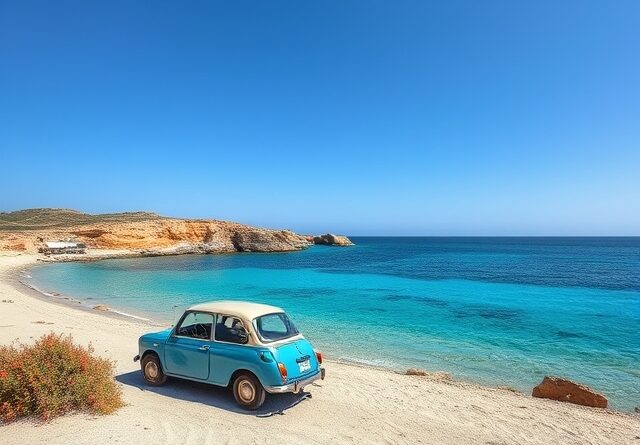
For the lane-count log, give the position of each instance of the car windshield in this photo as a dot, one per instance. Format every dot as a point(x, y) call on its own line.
point(273, 327)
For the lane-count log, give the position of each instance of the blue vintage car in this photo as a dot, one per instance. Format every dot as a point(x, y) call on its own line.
point(253, 348)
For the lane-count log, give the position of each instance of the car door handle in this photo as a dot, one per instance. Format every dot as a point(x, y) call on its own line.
point(204, 348)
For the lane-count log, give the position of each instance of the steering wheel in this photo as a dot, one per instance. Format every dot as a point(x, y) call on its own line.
point(201, 332)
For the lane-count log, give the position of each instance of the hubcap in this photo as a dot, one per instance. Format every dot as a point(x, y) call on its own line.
point(246, 391)
point(151, 369)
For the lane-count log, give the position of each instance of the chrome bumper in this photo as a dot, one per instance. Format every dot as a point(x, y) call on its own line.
point(298, 386)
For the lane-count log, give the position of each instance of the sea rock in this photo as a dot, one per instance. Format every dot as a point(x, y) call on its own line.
point(507, 388)
point(564, 390)
point(637, 409)
point(438, 375)
point(101, 307)
point(330, 239)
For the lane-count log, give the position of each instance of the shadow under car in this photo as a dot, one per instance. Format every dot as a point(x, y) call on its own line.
point(212, 395)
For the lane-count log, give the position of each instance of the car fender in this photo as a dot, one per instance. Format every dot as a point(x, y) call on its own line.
point(227, 361)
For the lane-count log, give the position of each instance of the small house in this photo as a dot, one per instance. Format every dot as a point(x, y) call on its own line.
point(61, 247)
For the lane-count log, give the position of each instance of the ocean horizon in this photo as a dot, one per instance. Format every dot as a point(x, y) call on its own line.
point(491, 310)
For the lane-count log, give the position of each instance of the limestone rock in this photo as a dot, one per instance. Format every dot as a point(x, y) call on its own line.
point(330, 239)
point(140, 233)
point(262, 240)
point(564, 390)
point(438, 375)
point(101, 307)
point(416, 371)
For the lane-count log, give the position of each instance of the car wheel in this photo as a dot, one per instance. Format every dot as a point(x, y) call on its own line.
point(248, 391)
point(152, 370)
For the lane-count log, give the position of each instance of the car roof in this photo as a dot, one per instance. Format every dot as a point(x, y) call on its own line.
point(241, 309)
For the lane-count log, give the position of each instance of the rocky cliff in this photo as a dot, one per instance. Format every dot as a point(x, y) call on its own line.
point(147, 233)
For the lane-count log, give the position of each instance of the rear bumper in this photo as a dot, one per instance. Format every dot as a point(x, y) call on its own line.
point(298, 386)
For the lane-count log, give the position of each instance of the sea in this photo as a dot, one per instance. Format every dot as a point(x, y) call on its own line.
point(494, 311)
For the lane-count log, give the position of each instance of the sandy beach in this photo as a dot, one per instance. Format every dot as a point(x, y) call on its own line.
point(353, 405)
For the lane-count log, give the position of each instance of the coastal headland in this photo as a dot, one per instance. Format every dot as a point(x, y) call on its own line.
point(144, 233)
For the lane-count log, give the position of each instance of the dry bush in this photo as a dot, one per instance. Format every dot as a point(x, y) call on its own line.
point(54, 376)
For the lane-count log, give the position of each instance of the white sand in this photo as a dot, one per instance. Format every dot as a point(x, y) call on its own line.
point(353, 405)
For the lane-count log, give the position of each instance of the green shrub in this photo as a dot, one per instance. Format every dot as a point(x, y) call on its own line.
point(54, 376)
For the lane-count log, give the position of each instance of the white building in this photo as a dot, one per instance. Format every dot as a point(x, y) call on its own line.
point(59, 247)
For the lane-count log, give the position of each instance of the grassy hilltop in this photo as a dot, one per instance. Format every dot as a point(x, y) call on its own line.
point(43, 219)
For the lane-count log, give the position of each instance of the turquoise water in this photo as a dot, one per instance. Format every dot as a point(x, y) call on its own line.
point(495, 311)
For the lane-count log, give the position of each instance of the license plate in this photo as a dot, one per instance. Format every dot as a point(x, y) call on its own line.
point(304, 366)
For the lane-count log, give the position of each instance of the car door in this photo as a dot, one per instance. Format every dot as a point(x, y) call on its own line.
point(187, 349)
point(229, 350)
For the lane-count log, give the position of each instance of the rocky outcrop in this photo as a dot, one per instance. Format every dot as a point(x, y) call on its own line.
point(564, 390)
point(332, 240)
point(278, 241)
point(144, 233)
point(438, 375)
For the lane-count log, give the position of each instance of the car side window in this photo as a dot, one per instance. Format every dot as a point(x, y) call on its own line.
point(196, 325)
point(231, 330)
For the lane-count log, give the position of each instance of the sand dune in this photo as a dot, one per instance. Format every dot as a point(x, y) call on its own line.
point(354, 405)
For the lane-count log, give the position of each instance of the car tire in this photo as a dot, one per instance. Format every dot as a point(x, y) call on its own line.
point(152, 370)
point(248, 391)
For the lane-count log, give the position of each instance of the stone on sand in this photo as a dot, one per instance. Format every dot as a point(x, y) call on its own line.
point(564, 390)
point(438, 375)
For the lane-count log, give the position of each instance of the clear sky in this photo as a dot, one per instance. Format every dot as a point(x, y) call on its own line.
point(370, 117)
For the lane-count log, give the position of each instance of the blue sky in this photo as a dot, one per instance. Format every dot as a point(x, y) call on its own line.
point(388, 118)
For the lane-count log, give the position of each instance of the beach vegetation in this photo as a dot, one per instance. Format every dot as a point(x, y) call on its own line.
point(55, 376)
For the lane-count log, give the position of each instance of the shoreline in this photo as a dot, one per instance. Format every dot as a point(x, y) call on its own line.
point(92, 302)
point(68, 301)
point(375, 403)
point(17, 275)
point(16, 280)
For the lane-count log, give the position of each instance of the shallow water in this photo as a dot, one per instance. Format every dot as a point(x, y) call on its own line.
point(493, 310)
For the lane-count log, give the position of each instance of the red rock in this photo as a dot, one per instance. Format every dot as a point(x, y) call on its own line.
point(564, 390)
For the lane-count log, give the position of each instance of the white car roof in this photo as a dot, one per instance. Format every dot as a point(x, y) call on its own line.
point(241, 309)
